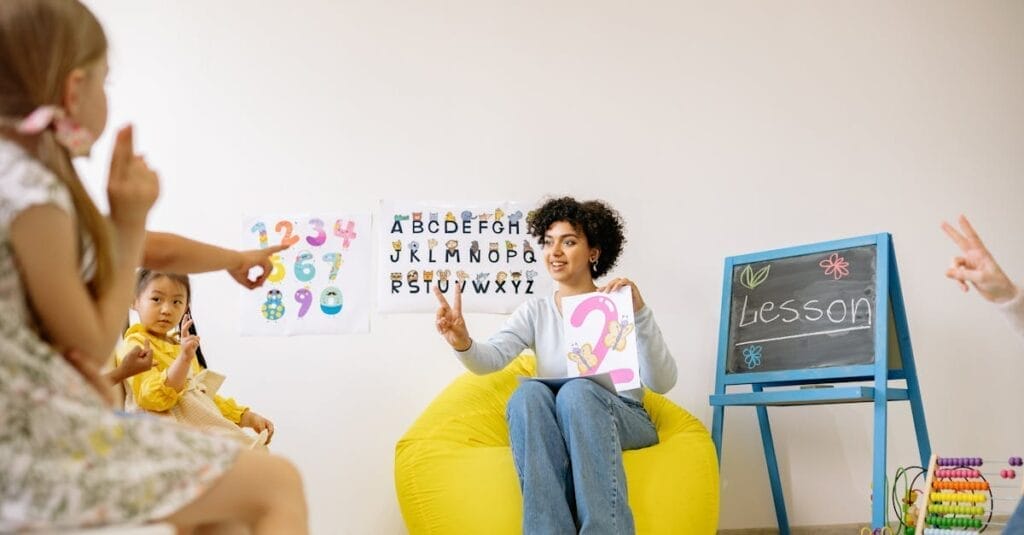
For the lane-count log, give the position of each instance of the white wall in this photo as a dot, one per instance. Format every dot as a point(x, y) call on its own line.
point(717, 128)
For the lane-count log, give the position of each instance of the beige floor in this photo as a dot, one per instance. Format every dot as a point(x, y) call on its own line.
point(846, 529)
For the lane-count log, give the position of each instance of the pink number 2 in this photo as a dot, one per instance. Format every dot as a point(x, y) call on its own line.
point(606, 307)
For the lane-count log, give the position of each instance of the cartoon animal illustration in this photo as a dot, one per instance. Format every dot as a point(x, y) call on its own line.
point(501, 276)
point(414, 246)
point(273, 308)
point(527, 247)
point(428, 276)
point(431, 243)
point(449, 217)
point(617, 332)
point(510, 246)
point(910, 501)
point(452, 245)
point(498, 214)
point(530, 274)
point(584, 357)
point(474, 247)
point(482, 276)
point(412, 276)
point(493, 245)
point(516, 275)
point(417, 216)
point(467, 215)
point(396, 245)
point(530, 215)
point(433, 216)
point(396, 276)
point(513, 218)
point(330, 300)
point(484, 216)
point(462, 275)
point(347, 234)
point(444, 274)
point(401, 217)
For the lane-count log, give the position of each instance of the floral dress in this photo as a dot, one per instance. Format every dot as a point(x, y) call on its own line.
point(66, 459)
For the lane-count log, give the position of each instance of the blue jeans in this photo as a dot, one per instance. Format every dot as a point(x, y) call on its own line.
point(567, 447)
point(1015, 526)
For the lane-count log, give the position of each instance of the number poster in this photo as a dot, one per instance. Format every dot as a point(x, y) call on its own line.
point(320, 284)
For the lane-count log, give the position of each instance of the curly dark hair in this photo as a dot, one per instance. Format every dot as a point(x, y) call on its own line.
point(599, 222)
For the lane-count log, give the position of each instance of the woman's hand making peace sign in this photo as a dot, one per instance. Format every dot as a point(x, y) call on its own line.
point(450, 323)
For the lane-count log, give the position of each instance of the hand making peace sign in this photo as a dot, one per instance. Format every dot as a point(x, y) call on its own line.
point(977, 265)
point(450, 323)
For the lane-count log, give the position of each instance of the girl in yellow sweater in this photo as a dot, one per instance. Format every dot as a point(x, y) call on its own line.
point(179, 370)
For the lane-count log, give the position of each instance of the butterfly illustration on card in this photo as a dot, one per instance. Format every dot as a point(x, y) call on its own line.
point(584, 358)
point(617, 333)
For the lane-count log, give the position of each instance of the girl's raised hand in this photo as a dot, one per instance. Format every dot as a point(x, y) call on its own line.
point(450, 323)
point(132, 187)
point(255, 258)
point(138, 360)
point(189, 342)
point(977, 265)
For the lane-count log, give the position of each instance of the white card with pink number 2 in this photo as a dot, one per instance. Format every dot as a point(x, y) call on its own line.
point(600, 331)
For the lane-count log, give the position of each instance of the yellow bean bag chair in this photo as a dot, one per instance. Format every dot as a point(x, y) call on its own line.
point(454, 472)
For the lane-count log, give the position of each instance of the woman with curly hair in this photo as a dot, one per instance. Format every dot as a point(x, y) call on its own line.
point(567, 444)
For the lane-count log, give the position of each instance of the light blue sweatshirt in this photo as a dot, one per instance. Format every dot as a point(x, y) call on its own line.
point(1014, 311)
point(537, 324)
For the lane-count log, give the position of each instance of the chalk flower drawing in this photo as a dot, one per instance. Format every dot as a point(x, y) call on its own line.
point(836, 266)
point(752, 356)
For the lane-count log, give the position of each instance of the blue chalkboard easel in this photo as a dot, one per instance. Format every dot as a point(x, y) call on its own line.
point(893, 360)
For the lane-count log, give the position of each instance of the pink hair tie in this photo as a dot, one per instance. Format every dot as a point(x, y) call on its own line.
point(77, 140)
point(39, 120)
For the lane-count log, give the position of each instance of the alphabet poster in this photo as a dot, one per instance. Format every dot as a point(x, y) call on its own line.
point(601, 332)
point(319, 285)
point(484, 247)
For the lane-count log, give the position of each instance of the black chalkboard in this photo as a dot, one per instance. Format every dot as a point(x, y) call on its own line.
point(801, 312)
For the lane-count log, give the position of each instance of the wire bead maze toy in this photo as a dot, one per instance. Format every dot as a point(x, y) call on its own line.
point(957, 497)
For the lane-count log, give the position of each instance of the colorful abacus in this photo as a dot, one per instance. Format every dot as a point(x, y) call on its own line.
point(959, 500)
